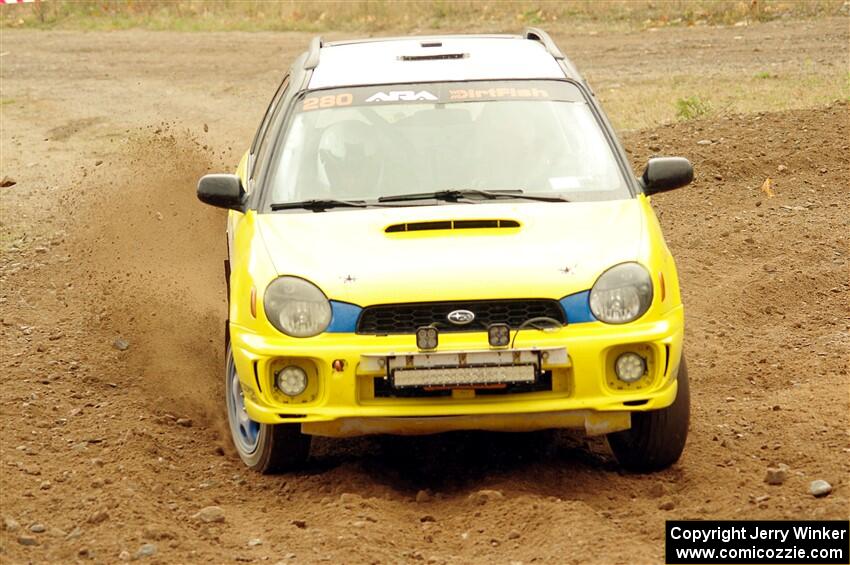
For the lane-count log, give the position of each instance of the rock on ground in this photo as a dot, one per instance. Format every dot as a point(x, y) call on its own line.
point(485, 495)
point(776, 475)
point(820, 488)
point(210, 514)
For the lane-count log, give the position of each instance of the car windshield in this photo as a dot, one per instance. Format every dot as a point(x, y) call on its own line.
point(364, 143)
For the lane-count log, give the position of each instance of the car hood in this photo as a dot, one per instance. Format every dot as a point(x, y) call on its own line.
point(557, 249)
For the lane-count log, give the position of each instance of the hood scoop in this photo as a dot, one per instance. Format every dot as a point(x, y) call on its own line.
point(443, 225)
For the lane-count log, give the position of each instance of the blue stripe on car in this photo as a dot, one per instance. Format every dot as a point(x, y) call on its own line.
point(343, 317)
point(577, 307)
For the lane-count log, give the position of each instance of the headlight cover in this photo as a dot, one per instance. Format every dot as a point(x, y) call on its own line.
point(296, 307)
point(621, 294)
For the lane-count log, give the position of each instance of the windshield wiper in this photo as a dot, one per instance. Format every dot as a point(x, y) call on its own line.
point(318, 205)
point(457, 195)
point(470, 195)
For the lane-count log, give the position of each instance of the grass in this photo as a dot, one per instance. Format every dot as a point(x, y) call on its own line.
point(378, 15)
point(647, 102)
point(692, 107)
point(846, 93)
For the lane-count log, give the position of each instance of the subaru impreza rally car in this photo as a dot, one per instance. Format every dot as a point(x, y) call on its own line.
point(443, 233)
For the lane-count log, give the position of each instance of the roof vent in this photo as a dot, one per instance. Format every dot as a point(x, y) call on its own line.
point(452, 225)
point(441, 56)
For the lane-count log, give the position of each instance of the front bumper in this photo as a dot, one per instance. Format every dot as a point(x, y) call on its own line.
point(346, 401)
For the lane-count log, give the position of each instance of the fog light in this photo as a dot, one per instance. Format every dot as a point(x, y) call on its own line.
point(630, 367)
point(291, 380)
point(499, 335)
point(426, 337)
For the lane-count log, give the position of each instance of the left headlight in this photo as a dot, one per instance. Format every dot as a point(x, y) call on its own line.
point(296, 307)
point(621, 294)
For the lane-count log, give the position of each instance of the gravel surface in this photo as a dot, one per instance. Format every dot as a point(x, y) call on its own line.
point(116, 446)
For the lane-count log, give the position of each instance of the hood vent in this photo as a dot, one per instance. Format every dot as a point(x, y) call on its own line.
point(452, 225)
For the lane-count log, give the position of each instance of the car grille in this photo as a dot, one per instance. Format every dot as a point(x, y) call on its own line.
point(405, 318)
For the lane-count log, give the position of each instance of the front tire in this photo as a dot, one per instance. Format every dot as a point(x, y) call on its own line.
point(267, 448)
point(657, 437)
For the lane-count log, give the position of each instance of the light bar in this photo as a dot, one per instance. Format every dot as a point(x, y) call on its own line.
point(464, 376)
point(379, 363)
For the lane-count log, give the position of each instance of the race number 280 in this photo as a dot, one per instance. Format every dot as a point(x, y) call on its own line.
point(328, 101)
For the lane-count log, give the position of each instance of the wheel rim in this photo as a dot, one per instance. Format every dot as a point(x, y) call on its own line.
point(245, 431)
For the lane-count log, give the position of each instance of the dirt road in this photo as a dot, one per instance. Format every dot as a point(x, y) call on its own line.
point(112, 451)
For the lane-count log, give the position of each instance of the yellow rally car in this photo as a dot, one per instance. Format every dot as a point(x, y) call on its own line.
point(443, 233)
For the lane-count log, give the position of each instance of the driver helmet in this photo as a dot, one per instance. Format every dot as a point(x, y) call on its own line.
point(350, 164)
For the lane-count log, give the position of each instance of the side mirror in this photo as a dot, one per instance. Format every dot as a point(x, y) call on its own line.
point(666, 173)
point(223, 191)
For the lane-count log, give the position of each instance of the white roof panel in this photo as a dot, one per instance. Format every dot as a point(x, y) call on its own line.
point(379, 61)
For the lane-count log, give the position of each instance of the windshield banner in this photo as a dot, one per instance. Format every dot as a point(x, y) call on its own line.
point(440, 93)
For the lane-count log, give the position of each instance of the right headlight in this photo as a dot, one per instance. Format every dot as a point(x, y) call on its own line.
point(296, 307)
point(621, 294)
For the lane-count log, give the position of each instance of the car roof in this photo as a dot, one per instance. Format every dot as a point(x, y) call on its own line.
point(434, 58)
